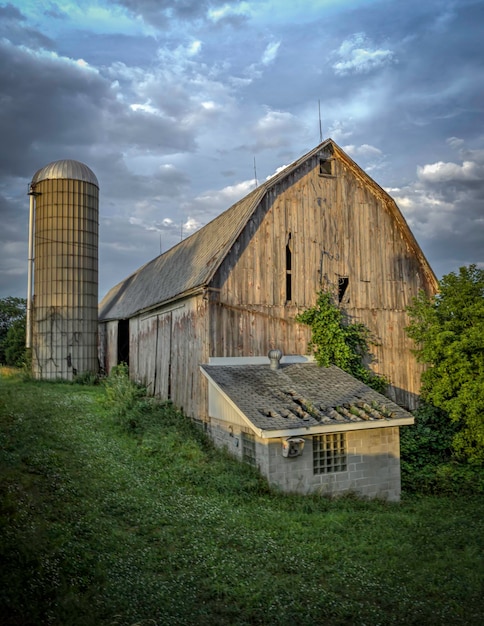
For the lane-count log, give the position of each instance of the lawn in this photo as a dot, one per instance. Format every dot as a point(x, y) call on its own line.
point(151, 527)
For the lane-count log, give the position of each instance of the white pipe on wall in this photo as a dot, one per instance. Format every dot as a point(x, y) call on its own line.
point(28, 330)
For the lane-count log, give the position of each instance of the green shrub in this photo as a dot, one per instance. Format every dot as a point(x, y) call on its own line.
point(86, 378)
point(124, 399)
point(336, 341)
point(428, 460)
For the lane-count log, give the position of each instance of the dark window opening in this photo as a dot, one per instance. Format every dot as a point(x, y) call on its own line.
point(289, 269)
point(168, 391)
point(343, 282)
point(326, 167)
point(123, 341)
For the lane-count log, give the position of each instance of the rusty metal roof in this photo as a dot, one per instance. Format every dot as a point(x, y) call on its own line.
point(66, 168)
point(303, 396)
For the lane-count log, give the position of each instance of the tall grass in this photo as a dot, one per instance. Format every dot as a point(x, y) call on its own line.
point(107, 525)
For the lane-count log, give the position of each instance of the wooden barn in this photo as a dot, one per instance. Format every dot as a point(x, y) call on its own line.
point(233, 288)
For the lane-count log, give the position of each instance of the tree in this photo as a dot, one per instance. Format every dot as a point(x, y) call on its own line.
point(448, 329)
point(14, 344)
point(12, 319)
point(336, 341)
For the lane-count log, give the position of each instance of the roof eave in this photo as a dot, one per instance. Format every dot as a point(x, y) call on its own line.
point(334, 428)
point(161, 305)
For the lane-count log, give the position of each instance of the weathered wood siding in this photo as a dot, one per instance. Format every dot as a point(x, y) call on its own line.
point(108, 345)
point(339, 227)
point(166, 348)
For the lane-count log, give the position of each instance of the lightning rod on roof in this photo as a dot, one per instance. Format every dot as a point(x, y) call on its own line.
point(320, 127)
point(255, 174)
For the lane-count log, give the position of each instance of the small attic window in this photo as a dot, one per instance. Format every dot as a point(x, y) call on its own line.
point(326, 167)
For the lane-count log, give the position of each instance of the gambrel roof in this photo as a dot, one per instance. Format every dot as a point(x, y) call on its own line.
point(191, 264)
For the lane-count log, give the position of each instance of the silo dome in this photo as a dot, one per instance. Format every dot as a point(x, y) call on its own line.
point(65, 169)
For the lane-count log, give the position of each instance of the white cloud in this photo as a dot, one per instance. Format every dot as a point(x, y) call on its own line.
point(191, 225)
point(227, 11)
point(365, 150)
point(270, 53)
point(226, 196)
point(358, 55)
point(339, 131)
point(441, 172)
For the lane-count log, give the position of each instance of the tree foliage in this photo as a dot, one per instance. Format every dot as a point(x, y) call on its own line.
point(336, 341)
point(12, 330)
point(449, 332)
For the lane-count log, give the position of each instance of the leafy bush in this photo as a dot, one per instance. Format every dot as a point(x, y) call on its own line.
point(14, 344)
point(428, 461)
point(12, 313)
point(86, 378)
point(124, 399)
point(449, 333)
point(336, 341)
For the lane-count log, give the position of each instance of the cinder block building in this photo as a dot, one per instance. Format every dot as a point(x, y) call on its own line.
point(307, 428)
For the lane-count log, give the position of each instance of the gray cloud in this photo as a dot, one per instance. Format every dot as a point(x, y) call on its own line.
point(445, 208)
point(170, 102)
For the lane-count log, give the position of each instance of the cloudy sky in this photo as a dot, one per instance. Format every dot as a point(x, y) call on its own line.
point(172, 102)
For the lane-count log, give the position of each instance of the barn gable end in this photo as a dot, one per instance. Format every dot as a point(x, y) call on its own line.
point(234, 287)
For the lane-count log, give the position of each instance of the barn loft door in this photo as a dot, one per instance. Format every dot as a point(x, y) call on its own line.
point(163, 387)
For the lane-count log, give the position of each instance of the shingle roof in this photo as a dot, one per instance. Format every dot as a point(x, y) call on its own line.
point(302, 396)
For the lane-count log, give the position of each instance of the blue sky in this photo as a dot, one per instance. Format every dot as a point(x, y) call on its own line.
point(169, 103)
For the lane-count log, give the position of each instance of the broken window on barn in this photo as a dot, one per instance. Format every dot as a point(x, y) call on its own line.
point(326, 167)
point(289, 269)
point(343, 282)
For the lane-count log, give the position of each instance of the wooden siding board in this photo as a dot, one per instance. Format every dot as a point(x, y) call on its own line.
point(162, 386)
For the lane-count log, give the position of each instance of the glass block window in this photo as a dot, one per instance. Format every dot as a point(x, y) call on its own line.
point(329, 453)
point(248, 448)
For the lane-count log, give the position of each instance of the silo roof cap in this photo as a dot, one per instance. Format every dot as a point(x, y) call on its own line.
point(67, 168)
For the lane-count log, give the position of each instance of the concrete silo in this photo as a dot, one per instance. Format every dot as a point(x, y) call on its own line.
point(63, 259)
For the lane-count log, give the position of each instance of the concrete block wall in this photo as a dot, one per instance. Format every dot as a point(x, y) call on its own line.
point(372, 470)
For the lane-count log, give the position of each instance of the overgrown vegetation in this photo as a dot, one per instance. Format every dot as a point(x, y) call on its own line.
point(337, 341)
point(428, 461)
point(449, 332)
point(102, 524)
point(12, 331)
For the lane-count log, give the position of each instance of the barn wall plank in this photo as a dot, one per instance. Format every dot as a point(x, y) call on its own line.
point(339, 228)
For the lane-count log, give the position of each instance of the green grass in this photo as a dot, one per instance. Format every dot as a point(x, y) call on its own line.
point(100, 526)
